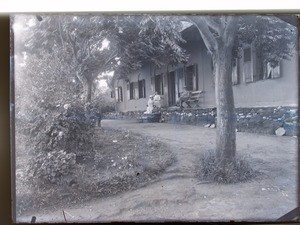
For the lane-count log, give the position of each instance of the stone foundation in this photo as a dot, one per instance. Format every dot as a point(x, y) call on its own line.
point(254, 120)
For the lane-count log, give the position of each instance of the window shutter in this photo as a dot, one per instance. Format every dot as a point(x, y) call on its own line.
point(120, 94)
point(152, 84)
point(247, 65)
point(128, 91)
point(235, 73)
point(131, 91)
point(117, 94)
point(190, 78)
point(276, 71)
point(195, 78)
point(144, 88)
point(159, 88)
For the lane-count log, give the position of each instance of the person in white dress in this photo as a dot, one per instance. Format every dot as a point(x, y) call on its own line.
point(150, 105)
point(157, 100)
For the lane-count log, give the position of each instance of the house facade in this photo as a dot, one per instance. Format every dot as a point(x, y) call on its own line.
point(253, 85)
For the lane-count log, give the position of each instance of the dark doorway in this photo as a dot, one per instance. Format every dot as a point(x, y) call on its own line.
point(159, 88)
point(191, 79)
point(171, 88)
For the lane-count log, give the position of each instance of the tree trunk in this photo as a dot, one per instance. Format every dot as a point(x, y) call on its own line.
point(226, 119)
point(89, 87)
point(221, 46)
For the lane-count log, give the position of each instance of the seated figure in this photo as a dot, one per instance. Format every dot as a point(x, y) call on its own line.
point(150, 105)
point(184, 96)
point(157, 100)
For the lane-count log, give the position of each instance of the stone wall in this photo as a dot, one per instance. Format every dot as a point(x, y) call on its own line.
point(255, 120)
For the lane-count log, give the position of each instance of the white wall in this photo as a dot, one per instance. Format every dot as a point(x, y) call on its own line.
point(135, 104)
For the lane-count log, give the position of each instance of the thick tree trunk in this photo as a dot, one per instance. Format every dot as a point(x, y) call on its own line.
point(220, 44)
point(89, 86)
point(226, 119)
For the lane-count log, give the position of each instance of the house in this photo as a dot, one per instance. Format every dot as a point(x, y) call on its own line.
point(253, 87)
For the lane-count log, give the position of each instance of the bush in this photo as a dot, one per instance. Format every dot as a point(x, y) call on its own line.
point(65, 138)
point(70, 130)
point(52, 167)
point(210, 169)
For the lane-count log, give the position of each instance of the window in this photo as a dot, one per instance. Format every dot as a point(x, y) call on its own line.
point(119, 94)
point(134, 92)
point(247, 65)
point(142, 89)
point(159, 88)
point(180, 82)
point(266, 71)
point(191, 77)
point(272, 71)
point(254, 68)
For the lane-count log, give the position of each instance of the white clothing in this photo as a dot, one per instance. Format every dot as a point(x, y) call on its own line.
point(150, 106)
point(157, 101)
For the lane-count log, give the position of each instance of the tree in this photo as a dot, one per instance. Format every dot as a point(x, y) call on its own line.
point(76, 41)
point(219, 37)
point(147, 38)
point(222, 35)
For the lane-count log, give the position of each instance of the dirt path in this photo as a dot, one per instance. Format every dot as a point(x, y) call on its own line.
point(177, 195)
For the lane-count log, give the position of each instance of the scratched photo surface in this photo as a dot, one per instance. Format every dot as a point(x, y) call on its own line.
point(153, 117)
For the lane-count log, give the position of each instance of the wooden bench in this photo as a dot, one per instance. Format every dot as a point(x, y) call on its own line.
point(194, 99)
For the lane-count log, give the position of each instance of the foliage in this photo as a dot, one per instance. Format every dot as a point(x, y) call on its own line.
point(145, 38)
point(76, 42)
point(211, 169)
point(51, 167)
point(103, 101)
point(72, 130)
point(46, 102)
point(162, 39)
point(64, 140)
point(272, 38)
point(113, 170)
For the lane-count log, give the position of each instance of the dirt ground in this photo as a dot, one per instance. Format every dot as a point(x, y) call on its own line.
point(178, 195)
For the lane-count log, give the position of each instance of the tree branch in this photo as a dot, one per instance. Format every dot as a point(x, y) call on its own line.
point(73, 43)
point(213, 25)
point(209, 40)
point(231, 29)
point(223, 22)
point(60, 34)
point(111, 57)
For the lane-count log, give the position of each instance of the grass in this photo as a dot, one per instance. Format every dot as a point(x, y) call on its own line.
point(210, 169)
point(123, 161)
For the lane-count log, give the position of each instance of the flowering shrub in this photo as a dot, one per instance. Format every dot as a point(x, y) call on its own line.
point(70, 130)
point(65, 139)
point(51, 167)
